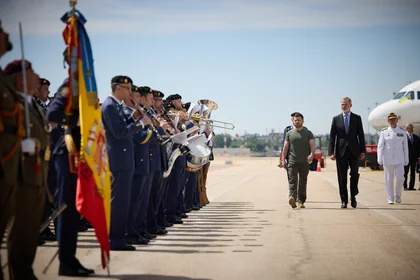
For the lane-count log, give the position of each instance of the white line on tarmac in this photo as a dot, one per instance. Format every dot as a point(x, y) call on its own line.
point(411, 230)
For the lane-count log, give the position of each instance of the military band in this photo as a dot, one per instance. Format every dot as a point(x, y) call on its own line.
point(39, 173)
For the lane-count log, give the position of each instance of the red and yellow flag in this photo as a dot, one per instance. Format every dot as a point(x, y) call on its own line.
point(93, 184)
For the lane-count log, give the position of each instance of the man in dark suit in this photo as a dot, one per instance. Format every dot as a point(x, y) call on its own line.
point(413, 156)
point(347, 145)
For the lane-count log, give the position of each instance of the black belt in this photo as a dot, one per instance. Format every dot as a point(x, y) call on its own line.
point(10, 129)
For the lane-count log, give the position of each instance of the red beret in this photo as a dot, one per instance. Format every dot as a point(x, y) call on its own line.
point(15, 67)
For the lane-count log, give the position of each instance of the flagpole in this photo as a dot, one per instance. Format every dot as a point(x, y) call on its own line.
point(25, 88)
point(107, 262)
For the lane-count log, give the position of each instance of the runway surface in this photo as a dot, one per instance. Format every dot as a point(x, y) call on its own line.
point(249, 231)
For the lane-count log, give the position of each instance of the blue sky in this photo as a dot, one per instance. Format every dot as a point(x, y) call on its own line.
point(259, 60)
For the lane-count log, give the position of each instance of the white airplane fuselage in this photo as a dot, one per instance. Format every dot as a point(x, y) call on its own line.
point(405, 104)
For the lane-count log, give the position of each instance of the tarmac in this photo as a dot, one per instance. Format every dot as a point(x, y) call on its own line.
point(249, 231)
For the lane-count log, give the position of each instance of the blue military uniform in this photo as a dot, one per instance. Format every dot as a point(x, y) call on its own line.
point(174, 197)
point(67, 222)
point(141, 182)
point(120, 150)
point(156, 169)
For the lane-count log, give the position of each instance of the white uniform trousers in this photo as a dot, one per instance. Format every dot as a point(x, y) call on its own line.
point(389, 182)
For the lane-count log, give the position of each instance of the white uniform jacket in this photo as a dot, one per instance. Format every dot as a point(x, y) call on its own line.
point(393, 146)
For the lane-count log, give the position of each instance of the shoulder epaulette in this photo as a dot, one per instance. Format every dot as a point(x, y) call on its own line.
point(385, 128)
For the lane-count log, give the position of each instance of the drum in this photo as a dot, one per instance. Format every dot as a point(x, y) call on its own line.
point(198, 152)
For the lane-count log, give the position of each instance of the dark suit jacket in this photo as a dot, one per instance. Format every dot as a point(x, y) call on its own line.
point(413, 149)
point(339, 140)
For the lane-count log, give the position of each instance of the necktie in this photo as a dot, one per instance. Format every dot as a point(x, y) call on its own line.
point(411, 138)
point(346, 123)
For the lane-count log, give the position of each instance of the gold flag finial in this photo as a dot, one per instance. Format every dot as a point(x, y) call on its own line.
point(73, 4)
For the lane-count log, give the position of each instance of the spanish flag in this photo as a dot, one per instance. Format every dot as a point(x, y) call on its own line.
point(93, 184)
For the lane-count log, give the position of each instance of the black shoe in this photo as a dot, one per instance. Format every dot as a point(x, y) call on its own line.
point(138, 241)
point(41, 240)
point(80, 266)
point(175, 221)
point(75, 272)
point(124, 248)
point(147, 235)
point(167, 224)
point(48, 235)
point(353, 202)
point(343, 204)
point(187, 210)
point(81, 228)
point(411, 189)
point(160, 232)
point(195, 208)
point(184, 216)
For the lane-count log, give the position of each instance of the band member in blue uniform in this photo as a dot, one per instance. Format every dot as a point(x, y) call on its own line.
point(65, 157)
point(119, 145)
point(157, 172)
point(161, 199)
point(145, 102)
point(174, 200)
point(141, 169)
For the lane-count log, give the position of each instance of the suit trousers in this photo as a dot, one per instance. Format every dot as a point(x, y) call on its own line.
point(120, 197)
point(162, 204)
point(154, 200)
point(298, 178)
point(389, 181)
point(343, 164)
point(135, 206)
point(176, 184)
point(68, 221)
point(190, 186)
point(411, 167)
point(23, 237)
point(141, 221)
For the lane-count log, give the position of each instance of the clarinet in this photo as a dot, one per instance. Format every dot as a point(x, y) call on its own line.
point(152, 116)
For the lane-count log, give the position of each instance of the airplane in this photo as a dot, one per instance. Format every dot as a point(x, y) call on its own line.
point(405, 104)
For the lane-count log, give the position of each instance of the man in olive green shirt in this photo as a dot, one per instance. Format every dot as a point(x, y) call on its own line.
point(297, 144)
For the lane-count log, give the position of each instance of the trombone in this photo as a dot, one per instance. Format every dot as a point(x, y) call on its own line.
point(225, 125)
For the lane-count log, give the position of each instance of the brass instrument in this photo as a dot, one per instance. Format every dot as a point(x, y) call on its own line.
point(210, 123)
point(203, 117)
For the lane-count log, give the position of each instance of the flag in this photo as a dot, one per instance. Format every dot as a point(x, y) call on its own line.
point(93, 183)
point(402, 99)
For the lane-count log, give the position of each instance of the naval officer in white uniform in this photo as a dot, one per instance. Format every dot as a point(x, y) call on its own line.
point(393, 155)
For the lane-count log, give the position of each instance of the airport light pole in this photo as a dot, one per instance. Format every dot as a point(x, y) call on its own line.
point(377, 135)
point(368, 126)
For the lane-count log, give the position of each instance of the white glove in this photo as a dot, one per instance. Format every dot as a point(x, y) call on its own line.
point(29, 146)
